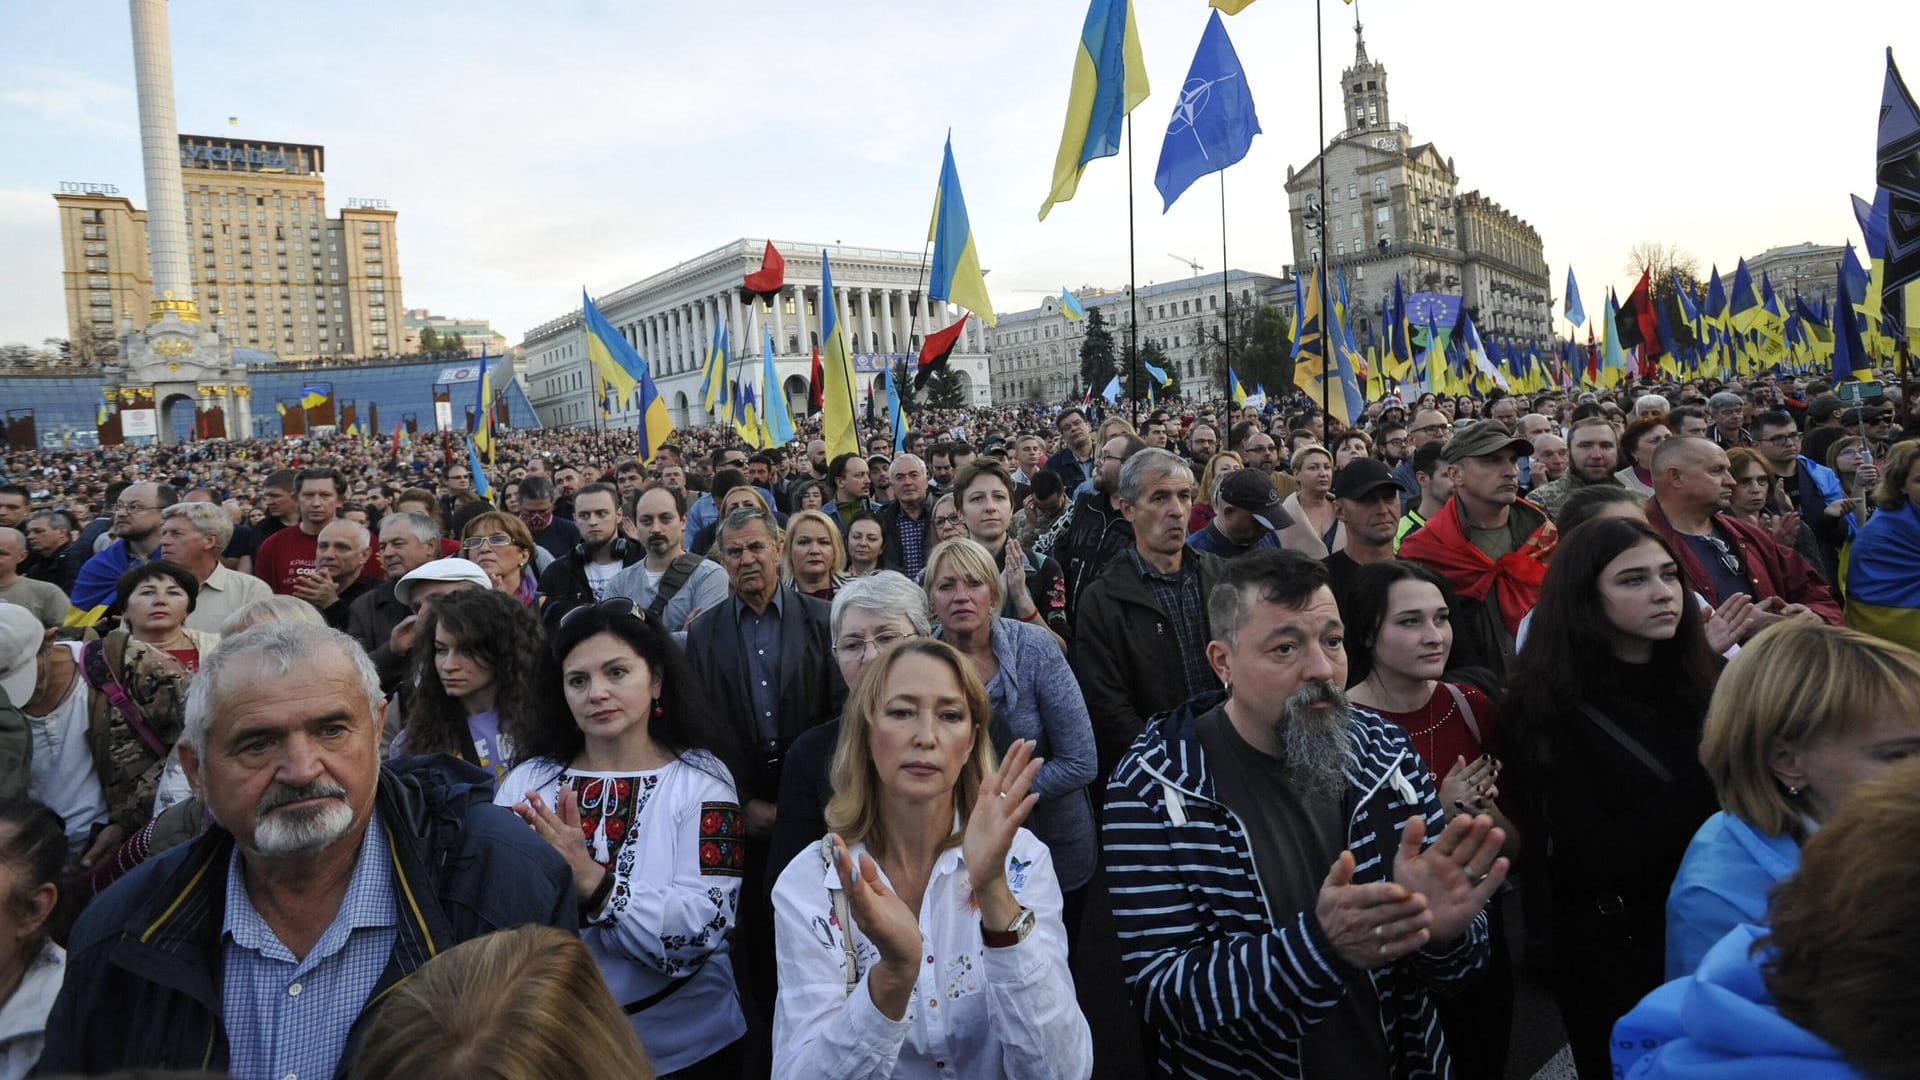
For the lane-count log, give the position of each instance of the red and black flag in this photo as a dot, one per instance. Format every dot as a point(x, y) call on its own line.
point(766, 282)
point(816, 384)
point(1638, 323)
point(939, 346)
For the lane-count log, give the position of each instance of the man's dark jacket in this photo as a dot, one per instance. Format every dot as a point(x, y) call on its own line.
point(1093, 532)
point(144, 967)
point(564, 585)
point(893, 555)
point(1125, 655)
point(370, 621)
point(811, 690)
point(61, 568)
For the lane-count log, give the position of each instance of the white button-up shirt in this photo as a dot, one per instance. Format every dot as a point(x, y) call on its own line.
point(975, 1011)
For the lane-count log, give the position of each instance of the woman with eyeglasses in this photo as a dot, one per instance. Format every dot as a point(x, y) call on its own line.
point(620, 773)
point(500, 544)
point(1602, 734)
point(1034, 696)
point(475, 682)
point(811, 559)
point(923, 935)
point(870, 615)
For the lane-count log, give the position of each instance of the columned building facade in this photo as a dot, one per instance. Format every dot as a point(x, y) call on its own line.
point(671, 317)
point(1394, 208)
point(1036, 352)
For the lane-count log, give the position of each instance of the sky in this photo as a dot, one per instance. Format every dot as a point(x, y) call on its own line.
point(533, 149)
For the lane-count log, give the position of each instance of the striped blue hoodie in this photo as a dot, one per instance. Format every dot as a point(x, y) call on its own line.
point(1224, 984)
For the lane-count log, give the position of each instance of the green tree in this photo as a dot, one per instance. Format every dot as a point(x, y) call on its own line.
point(910, 398)
point(1098, 361)
point(1136, 375)
point(429, 341)
point(945, 390)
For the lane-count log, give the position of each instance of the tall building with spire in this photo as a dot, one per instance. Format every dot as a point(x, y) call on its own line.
point(1393, 207)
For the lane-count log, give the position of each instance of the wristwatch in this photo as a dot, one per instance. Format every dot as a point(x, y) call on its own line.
point(1013, 935)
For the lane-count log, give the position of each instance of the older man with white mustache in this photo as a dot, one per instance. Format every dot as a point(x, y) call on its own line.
point(262, 947)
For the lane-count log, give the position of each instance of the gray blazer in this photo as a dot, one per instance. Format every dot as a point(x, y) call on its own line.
point(1035, 697)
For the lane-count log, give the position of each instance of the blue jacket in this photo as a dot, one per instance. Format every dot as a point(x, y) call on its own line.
point(145, 963)
point(1720, 1024)
point(1226, 985)
point(1724, 879)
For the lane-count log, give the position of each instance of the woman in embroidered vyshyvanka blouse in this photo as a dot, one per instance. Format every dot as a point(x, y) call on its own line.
point(923, 936)
point(619, 774)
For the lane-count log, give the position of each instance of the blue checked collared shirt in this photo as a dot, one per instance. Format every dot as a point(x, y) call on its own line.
point(288, 1019)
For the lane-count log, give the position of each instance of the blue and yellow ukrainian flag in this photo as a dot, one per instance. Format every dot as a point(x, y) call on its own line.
point(955, 271)
point(313, 396)
point(714, 384)
point(612, 356)
point(1883, 592)
point(1109, 79)
point(1070, 305)
point(836, 366)
point(483, 411)
point(656, 423)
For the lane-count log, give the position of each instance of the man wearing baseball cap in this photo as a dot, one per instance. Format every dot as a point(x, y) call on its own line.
point(1366, 498)
point(21, 639)
point(1248, 517)
point(1491, 545)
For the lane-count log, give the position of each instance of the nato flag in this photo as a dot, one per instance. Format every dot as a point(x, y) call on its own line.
point(1213, 123)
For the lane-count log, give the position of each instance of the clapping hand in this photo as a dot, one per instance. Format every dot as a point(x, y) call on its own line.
point(1370, 925)
point(1013, 580)
point(1000, 808)
point(559, 826)
point(1733, 622)
point(886, 920)
point(1469, 785)
point(1455, 874)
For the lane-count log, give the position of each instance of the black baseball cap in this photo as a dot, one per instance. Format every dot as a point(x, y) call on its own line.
point(1252, 491)
point(1362, 476)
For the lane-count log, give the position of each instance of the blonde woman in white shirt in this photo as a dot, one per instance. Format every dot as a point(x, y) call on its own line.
point(923, 936)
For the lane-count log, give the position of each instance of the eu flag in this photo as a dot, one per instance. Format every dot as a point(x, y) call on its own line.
point(1213, 123)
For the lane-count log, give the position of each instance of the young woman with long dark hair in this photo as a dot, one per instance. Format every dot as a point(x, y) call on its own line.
point(1602, 735)
point(475, 679)
point(620, 773)
point(1399, 640)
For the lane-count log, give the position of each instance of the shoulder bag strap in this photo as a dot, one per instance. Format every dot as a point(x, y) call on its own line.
point(1628, 743)
point(671, 581)
point(99, 673)
point(842, 914)
point(1466, 713)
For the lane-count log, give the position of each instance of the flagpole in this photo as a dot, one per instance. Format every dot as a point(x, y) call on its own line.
point(1319, 262)
point(1226, 299)
point(1133, 293)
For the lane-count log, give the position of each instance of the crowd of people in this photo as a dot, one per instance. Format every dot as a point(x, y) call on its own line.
point(334, 757)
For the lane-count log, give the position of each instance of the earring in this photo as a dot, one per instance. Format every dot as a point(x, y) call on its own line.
point(1793, 791)
point(659, 710)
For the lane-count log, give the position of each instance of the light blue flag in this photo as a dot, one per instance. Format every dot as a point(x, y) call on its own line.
point(895, 414)
point(1576, 311)
point(1159, 374)
point(1213, 123)
point(481, 486)
point(1112, 392)
point(774, 408)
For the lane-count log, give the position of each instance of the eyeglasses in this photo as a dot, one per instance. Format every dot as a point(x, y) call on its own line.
point(475, 543)
point(1439, 429)
point(1782, 439)
point(739, 464)
point(1727, 558)
point(613, 607)
point(851, 647)
point(946, 520)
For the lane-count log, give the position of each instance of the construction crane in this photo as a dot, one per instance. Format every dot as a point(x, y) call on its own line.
point(1193, 264)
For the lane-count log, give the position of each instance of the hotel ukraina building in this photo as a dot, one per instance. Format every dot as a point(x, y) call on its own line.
point(272, 270)
point(670, 317)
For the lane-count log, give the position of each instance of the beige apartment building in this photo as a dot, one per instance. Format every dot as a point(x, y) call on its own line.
point(272, 270)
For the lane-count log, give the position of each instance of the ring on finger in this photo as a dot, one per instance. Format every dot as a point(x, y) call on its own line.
point(1474, 877)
